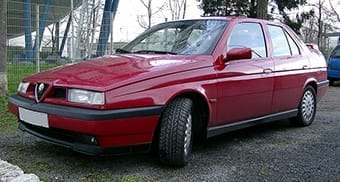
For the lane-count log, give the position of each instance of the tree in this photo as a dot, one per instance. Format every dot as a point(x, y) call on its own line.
point(320, 5)
point(261, 9)
point(333, 9)
point(254, 9)
point(324, 21)
point(148, 6)
point(3, 48)
point(225, 7)
point(177, 9)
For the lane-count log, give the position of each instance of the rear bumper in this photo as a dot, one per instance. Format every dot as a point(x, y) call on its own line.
point(322, 88)
point(90, 131)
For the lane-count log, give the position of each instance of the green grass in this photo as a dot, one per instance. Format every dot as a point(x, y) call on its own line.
point(8, 122)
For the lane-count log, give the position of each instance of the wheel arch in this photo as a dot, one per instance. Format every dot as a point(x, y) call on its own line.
point(202, 114)
point(313, 83)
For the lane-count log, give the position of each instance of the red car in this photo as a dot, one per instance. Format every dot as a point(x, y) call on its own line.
point(178, 82)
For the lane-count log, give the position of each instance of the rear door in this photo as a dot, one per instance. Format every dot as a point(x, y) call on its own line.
point(290, 68)
point(245, 86)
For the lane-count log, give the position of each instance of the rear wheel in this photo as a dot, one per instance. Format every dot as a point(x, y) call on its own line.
point(175, 137)
point(307, 107)
point(331, 82)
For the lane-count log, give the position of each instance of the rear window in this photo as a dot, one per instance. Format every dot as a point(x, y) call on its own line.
point(336, 52)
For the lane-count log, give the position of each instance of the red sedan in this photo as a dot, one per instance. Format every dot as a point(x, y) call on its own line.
point(178, 82)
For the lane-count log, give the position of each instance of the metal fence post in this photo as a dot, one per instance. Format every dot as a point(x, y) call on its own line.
point(72, 32)
point(111, 33)
point(26, 6)
point(37, 39)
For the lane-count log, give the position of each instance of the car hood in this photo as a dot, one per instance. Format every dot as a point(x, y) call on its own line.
point(114, 71)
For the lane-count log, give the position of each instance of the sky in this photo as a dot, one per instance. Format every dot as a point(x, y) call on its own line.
point(126, 27)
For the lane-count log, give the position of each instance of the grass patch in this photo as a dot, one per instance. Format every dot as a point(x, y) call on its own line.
point(8, 122)
point(265, 171)
point(134, 178)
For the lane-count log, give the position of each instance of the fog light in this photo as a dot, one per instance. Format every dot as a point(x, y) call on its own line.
point(87, 139)
point(93, 140)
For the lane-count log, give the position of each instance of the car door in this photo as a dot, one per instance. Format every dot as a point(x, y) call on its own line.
point(245, 86)
point(289, 67)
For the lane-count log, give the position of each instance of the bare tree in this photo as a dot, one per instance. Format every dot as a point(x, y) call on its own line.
point(148, 6)
point(177, 8)
point(333, 9)
point(321, 20)
point(51, 42)
point(3, 48)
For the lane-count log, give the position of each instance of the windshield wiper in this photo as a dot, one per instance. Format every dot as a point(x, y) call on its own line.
point(119, 50)
point(154, 52)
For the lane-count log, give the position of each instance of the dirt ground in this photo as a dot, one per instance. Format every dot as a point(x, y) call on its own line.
point(272, 152)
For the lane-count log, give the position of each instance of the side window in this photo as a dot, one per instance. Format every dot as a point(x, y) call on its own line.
point(279, 41)
point(293, 47)
point(248, 35)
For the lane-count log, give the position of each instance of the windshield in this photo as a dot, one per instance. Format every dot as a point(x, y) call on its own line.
point(178, 37)
point(336, 52)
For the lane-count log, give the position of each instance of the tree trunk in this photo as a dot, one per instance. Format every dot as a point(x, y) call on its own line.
point(149, 13)
point(3, 48)
point(261, 9)
point(320, 22)
point(184, 9)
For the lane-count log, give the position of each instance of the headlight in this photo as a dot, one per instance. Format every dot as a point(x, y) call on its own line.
point(85, 96)
point(22, 88)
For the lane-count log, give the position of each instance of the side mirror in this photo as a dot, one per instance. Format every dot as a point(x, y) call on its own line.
point(238, 53)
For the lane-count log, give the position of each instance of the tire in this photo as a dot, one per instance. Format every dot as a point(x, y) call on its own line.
point(331, 82)
point(307, 108)
point(175, 137)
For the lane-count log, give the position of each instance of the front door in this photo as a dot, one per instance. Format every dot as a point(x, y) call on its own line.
point(245, 87)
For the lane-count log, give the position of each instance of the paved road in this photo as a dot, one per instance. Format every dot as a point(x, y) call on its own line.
point(271, 152)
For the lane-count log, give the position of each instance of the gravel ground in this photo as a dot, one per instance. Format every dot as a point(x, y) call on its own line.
point(270, 152)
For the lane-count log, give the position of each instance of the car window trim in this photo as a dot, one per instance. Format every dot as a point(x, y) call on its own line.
point(263, 35)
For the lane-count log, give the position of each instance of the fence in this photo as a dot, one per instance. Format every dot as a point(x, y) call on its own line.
point(42, 36)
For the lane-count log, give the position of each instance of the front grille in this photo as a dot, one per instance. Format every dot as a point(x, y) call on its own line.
point(59, 93)
point(55, 92)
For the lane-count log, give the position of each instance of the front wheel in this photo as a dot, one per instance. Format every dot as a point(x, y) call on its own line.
point(175, 137)
point(307, 107)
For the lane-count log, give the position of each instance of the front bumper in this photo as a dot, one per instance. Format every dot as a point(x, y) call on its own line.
point(90, 131)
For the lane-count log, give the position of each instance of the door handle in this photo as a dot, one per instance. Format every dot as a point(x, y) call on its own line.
point(267, 70)
point(305, 67)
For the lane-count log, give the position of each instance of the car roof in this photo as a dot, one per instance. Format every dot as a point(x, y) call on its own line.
point(234, 18)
